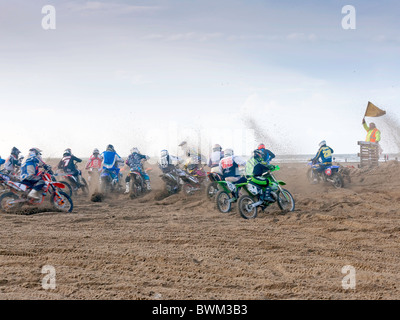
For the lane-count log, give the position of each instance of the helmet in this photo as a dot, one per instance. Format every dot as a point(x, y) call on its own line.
point(322, 143)
point(67, 152)
point(182, 143)
point(110, 147)
point(217, 147)
point(96, 151)
point(15, 151)
point(35, 152)
point(164, 153)
point(133, 150)
point(228, 152)
point(261, 146)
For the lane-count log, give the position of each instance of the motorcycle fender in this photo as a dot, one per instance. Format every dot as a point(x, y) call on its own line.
point(59, 185)
point(282, 183)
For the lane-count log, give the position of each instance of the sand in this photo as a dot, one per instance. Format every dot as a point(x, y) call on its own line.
point(181, 247)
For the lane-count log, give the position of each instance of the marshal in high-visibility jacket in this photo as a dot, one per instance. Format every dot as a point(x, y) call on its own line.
point(373, 134)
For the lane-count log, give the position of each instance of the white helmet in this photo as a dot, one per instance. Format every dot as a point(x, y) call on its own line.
point(133, 150)
point(228, 152)
point(322, 143)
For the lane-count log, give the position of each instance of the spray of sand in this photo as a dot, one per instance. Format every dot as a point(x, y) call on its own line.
point(391, 131)
point(260, 134)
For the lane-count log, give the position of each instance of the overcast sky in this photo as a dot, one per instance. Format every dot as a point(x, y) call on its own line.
point(153, 73)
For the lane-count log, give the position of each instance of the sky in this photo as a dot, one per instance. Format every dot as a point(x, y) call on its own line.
point(152, 73)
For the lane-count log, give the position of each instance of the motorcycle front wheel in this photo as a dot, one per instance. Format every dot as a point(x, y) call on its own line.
point(285, 201)
point(222, 199)
point(245, 209)
point(61, 201)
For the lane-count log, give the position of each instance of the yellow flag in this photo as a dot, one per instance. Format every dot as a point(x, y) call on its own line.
point(373, 111)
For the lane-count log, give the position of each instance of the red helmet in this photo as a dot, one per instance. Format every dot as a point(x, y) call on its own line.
point(261, 146)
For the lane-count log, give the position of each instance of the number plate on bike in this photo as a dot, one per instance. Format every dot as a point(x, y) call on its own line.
point(231, 186)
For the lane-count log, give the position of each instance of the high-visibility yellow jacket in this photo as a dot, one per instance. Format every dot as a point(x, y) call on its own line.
point(373, 135)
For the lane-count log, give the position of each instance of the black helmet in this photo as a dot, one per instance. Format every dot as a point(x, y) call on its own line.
point(110, 147)
point(15, 151)
point(67, 152)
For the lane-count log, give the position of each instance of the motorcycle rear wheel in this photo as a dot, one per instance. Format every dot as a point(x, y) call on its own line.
point(337, 181)
point(222, 200)
point(246, 212)
point(5, 204)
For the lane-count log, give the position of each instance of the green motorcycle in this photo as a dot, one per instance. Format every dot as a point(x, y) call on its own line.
point(249, 203)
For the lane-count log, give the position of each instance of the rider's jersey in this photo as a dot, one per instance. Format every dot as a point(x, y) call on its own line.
point(67, 163)
point(229, 166)
point(31, 166)
point(2, 161)
point(12, 163)
point(94, 162)
point(134, 161)
point(325, 154)
point(111, 160)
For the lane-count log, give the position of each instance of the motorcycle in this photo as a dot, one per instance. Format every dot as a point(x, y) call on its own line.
point(330, 174)
point(18, 195)
point(138, 184)
point(193, 180)
point(229, 193)
point(94, 177)
point(249, 203)
point(173, 183)
point(110, 181)
point(72, 180)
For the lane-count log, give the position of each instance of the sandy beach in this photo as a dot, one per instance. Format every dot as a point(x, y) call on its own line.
point(182, 247)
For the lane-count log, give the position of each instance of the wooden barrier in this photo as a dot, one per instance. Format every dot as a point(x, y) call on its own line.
point(369, 154)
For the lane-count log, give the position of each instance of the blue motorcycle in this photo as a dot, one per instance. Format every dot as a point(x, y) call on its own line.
point(330, 174)
point(110, 181)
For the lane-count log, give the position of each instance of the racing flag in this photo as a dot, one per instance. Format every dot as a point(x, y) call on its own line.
point(373, 111)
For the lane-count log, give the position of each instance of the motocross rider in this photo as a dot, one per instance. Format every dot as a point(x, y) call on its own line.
point(94, 163)
point(229, 166)
point(112, 161)
point(30, 172)
point(168, 165)
point(13, 162)
point(192, 158)
point(67, 164)
point(325, 154)
point(215, 157)
point(135, 163)
point(256, 166)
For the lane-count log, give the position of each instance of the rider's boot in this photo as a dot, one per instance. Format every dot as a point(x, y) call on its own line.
point(148, 185)
point(127, 190)
point(34, 194)
point(267, 195)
